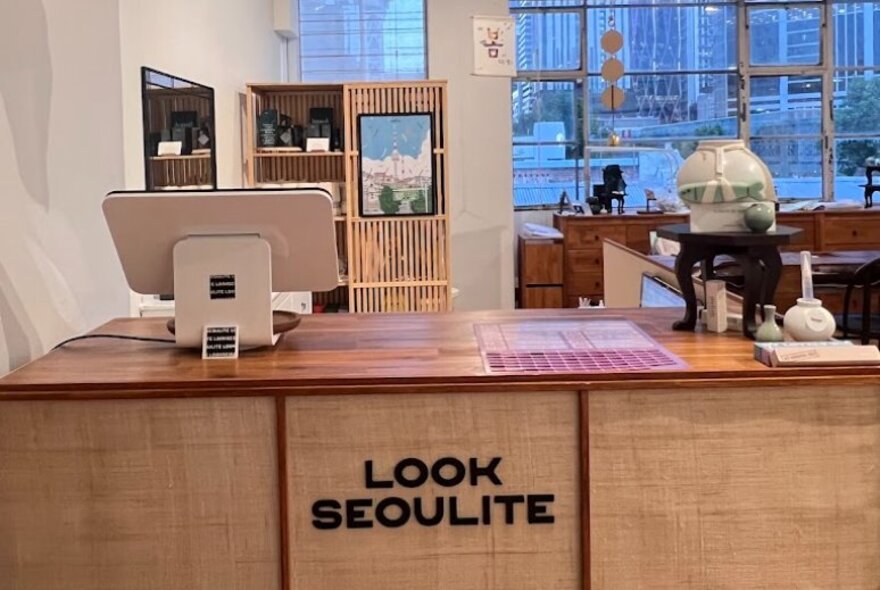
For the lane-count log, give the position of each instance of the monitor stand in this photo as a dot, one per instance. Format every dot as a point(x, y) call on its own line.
point(223, 294)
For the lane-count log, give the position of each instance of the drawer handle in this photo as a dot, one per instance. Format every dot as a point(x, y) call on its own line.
point(854, 233)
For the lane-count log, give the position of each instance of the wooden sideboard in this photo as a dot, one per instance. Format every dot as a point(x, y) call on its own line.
point(823, 231)
point(582, 247)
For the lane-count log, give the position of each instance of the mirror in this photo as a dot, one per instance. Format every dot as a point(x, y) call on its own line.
point(179, 133)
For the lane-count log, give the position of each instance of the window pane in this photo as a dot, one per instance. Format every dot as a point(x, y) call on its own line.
point(542, 173)
point(651, 166)
point(362, 39)
point(666, 39)
point(784, 36)
point(857, 102)
point(786, 105)
point(796, 165)
point(548, 41)
point(616, 3)
point(666, 106)
point(543, 3)
point(857, 34)
point(849, 157)
point(546, 112)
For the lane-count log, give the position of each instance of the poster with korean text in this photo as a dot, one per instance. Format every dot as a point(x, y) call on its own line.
point(494, 46)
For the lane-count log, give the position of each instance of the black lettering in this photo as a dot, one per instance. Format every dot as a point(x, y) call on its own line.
point(419, 512)
point(487, 509)
point(385, 520)
point(327, 516)
point(400, 469)
point(355, 516)
point(455, 519)
point(487, 471)
point(509, 502)
point(371, 482)
point(537, 510)
point(437, 472)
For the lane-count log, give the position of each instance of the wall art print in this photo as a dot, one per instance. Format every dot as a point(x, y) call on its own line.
point(396, 164)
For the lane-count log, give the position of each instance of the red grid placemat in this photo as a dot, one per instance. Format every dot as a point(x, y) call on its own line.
point(571, 346)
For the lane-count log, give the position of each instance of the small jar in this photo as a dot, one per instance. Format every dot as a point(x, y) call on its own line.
point(808, 321)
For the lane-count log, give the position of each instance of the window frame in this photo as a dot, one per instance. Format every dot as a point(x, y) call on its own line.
point(825, 70)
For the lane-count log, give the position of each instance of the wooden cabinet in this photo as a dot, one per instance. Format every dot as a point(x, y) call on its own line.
point(583, 236)
point(806, 222)
point(583, 272)
point(861, 233)
point(540, 273)
point(833, 231)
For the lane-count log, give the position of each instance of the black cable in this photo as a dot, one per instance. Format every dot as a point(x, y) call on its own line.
point(117, 336)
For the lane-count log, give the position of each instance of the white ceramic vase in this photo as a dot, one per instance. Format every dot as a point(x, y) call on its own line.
point(808, 321)
point(719, 181)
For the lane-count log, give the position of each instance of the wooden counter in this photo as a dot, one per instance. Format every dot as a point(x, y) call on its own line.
point(130, 465)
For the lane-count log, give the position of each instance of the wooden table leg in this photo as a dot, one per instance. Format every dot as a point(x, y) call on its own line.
point(762, 269)
point(684, 266)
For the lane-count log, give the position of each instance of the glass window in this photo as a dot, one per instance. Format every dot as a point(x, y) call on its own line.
point(647, 165)
point(785, 36)
point(546, 112)
point(666, 39)
point(786, 105)
point(352, 40)
point(856, 34)
point(544, 3)
point(547, 157)
point(795, 163)
point(857, 103)
point(548, 41)
point(667, 106)
point(849, 166)
point(598, 4)
point(682, 83)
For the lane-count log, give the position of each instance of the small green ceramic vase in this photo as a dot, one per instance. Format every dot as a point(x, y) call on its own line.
point(769, 330)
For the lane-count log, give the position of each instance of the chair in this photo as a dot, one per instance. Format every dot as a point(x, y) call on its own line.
point(868, 325)
point(615, 187)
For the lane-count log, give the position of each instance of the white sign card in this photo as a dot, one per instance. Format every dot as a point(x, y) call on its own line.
point(494, 46)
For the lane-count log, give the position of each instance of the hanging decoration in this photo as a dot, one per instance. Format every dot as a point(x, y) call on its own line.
point(612, 71)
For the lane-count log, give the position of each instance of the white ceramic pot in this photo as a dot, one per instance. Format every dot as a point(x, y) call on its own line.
point(719, 181)
point(808, 321)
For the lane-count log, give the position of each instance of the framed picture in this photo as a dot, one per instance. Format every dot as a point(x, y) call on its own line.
point(396, 164)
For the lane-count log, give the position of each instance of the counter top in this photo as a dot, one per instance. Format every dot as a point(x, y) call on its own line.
point(382, 354)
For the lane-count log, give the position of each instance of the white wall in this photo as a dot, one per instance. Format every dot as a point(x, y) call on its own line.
point(223, 44)
point(60, 153)
point(480, 157)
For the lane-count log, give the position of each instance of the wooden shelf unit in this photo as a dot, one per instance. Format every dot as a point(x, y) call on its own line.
point(181, 170)
point(394, 264)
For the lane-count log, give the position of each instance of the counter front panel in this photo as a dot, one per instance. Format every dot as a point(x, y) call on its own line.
point(369, 452)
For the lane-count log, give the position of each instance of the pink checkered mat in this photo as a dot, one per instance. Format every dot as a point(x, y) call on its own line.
point(607, 345)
